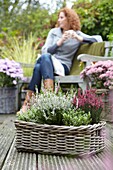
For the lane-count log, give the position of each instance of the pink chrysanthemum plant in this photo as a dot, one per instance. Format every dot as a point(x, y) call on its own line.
point(10, 73)
point(100, 74)
point(89, 102)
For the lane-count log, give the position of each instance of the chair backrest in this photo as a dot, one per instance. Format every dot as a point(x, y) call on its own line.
point(104, 49)
point(97, 49)
point(108, 48)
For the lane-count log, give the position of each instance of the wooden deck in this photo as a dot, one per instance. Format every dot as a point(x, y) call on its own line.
point(10, 159)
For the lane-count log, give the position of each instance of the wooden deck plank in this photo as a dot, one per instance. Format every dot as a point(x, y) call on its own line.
point(11, 159)
point(100, 161)
point(19, 160)
point(7, 133)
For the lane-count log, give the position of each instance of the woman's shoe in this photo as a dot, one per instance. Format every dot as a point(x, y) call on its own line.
point(26, 104)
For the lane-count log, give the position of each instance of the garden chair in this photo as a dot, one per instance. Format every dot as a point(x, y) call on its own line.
point(86, 54)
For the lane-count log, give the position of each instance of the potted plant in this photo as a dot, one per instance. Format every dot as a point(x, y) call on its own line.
point(58, 124)
point(10, 73)
point(100, 75)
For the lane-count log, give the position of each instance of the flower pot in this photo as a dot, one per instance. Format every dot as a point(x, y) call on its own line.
point(63, 140)
point(107, 97)
point(8, 99)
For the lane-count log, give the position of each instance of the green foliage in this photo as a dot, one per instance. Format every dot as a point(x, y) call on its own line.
point(48, 108)
point(76, 117)
point(22, 50)
point(56, 109)
point(96, 16)
point(110, 37)
point(5, 80)
point(32, 19)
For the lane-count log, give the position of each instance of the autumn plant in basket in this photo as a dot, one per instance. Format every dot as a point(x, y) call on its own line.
point(62, 123)
point(72, 108)
point(55, 109)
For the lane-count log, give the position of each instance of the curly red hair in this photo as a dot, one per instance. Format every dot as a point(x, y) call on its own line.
point(72, 18)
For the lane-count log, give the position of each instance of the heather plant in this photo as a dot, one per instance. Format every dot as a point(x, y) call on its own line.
point(55, 109)
point(100, 74)
point(10, 72)
point(48, 108)
point(70, 108)
point(89, 102)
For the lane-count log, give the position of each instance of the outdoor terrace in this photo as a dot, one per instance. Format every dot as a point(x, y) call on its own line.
point(11, 159)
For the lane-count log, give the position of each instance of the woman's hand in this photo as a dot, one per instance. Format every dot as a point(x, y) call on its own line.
point(73, 34)
point(65, 36)
point(69, 34)
point(76, 36)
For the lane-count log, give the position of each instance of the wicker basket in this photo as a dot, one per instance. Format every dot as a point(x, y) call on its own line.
point(8, 99)
point(52, 139)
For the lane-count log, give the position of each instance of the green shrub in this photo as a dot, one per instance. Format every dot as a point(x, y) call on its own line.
point(21, 50)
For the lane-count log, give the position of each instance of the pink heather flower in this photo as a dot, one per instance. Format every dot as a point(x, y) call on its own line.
point(41, 44)
point(89, 101)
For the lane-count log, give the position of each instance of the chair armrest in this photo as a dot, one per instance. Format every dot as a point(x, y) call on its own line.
point(92, 58)
point(26, 65)
point(69, 79)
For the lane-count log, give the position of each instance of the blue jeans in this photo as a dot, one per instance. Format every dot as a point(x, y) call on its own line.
point(43, 69)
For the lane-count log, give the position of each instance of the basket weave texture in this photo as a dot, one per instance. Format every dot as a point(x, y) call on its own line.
point(63, 140)
point(8, 99)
